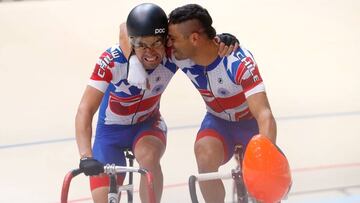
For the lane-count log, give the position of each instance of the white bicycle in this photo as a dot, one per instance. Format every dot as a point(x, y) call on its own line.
point(239, 193)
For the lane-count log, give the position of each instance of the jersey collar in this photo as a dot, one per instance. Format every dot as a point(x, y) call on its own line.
point(212, 65)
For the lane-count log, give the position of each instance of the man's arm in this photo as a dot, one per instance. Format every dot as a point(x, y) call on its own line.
point(260, 108)
point(124, 40)
point(83, 122)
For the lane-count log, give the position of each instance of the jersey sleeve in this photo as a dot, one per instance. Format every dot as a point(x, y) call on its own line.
point(244, 71)
point(103, 71)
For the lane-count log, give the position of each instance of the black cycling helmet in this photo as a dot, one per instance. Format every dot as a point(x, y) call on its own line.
point(145, 20)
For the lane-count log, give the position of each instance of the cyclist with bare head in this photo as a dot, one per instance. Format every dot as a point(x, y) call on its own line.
point(129, 115)
point(231, 86)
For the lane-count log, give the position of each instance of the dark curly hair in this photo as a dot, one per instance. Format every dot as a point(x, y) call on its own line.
point(193, 12)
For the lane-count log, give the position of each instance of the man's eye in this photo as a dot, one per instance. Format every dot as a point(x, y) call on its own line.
point(157, 43)
point(141, 46)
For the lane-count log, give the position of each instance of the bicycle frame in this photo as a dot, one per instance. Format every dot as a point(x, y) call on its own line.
point(112, 170)
point(240, 194)
point(234, 174)
point(129, 188)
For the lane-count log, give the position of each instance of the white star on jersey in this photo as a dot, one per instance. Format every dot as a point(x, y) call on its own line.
point(231, 60)
point(123, 88)
point(192, 77)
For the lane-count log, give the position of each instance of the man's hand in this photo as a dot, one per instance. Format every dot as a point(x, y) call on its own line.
point(90, 166)
point(228, 43)
point(124, 40)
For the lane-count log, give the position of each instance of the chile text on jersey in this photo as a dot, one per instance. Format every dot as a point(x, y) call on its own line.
point(226, 83)
point(125, 104)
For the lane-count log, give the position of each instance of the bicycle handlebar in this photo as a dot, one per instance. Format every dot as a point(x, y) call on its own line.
point(192, 189)
point(205, 177)
point(66, 184)
point(112, 169)
point(109, 170)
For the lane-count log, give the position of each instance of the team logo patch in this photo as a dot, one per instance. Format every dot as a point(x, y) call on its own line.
point(223, 92)
point(157, 89)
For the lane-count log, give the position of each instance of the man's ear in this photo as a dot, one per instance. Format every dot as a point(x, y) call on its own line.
point(124, 40)
point(194, 38)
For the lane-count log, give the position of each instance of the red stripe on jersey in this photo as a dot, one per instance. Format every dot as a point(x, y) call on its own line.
point(118, 108)
point(233, 101)
point(205, 93)
point(245, 65)
point(219, 104)
point(252, 81)
point(125, 99)
point(240, 72)
point(213, 104)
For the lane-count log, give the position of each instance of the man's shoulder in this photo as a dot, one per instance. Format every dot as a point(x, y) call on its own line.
point(111, 59)
point(240, 53)
point(239, 56)
point(113, 54)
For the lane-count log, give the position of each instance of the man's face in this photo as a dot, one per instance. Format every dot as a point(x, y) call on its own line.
point(180, 44)
point(150, 50)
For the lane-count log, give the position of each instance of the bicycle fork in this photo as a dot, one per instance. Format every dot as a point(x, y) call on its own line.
point(242, 196)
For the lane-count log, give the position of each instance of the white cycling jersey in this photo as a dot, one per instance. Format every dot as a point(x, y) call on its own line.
point(226, 83)
point(125, 104)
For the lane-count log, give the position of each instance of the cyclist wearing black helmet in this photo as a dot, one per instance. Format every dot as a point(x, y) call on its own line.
point(129, 114)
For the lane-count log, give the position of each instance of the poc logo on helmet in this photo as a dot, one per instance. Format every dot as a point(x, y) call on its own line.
point(159, 30)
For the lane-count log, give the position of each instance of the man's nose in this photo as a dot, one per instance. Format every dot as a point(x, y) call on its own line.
point(149, 50)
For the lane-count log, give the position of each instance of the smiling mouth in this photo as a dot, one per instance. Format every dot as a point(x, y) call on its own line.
point(150, 59)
